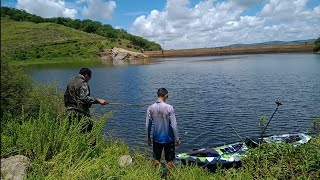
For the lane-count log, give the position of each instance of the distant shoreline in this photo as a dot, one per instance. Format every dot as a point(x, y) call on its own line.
point(235, 50)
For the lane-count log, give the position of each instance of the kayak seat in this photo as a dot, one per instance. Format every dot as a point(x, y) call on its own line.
point(292, 139)
point(253, 143)
point(207, 152)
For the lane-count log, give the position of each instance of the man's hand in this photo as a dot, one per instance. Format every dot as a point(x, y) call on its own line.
point(102, 101)
point(178, 142)
point(149, 141)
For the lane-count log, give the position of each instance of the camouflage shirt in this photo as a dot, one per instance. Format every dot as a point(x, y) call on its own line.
point(77, 96)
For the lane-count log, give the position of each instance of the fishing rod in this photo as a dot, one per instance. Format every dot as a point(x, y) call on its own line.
point(278, 104)
point(236, 132)
point(128, 104)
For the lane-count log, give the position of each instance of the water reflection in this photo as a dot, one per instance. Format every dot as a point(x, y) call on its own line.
point(127, 62)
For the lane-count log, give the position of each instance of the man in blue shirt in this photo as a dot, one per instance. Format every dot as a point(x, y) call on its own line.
point(165, 131)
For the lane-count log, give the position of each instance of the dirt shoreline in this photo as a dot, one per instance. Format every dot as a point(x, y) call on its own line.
point(258, 49)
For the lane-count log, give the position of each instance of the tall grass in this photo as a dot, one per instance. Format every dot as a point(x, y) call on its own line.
point(59, 151)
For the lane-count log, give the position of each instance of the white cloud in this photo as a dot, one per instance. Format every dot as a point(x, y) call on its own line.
point(47, 8)
point(284, 9)
point(213, 23)
point(80, 1)
point(316, 12)
point(98, 9)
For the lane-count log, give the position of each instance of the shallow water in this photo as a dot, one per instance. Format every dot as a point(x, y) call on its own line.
point(207, 94)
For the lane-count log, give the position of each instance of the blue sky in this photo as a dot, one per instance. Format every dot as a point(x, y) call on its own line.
point(125, 12)
point(192, 23)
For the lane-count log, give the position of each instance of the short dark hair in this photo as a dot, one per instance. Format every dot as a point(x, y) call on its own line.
point(85, 71)
point(162, 92)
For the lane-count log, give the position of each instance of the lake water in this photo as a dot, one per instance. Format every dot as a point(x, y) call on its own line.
point(207, 93)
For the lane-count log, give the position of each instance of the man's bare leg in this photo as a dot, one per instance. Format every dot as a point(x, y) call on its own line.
point(157, 162)
point(170, 164)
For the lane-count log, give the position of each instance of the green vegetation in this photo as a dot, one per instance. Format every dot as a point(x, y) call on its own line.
point(27, 42)
point(317, 47)
point(30, 39)
point(86, 25)
point(33, 123)
point(315, 126)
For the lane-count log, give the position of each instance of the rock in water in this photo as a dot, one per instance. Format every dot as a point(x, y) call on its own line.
point(15, 167)
point(120, 56)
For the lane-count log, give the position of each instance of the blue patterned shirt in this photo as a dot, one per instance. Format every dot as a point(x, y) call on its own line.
point(162, 116)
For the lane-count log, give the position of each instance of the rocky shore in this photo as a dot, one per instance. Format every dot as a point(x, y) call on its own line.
point(119, 56)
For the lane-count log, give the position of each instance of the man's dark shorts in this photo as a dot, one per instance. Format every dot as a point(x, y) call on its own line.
point(169, 151)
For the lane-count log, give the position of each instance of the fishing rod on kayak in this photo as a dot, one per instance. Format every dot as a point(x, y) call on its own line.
point(278, 104)
point(127, 104)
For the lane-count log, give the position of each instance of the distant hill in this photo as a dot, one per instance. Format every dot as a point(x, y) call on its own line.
point(45, 42)
point(274, 42)
point(26, 37)
point(85, 25)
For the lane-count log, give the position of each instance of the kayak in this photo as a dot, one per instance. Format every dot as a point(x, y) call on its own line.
point(230, 155)
point(227, 155)
point(294, 139)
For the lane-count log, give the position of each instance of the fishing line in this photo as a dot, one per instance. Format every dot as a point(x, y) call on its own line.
point(128, 104)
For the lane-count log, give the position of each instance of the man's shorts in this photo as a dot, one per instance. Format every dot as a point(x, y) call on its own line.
point(169, 151)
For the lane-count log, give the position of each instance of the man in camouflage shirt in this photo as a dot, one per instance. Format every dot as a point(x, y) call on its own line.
point(77, 97)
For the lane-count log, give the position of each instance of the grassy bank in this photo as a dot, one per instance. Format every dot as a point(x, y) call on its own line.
point(59, 151)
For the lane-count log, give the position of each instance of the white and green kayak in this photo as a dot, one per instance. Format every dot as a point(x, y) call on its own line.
point(231, 154)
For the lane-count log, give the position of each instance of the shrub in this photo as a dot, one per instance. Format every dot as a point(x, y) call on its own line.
point(45, 98)
point(20, 95)
point(317, 47)
point(284, 161)
point(15, 87)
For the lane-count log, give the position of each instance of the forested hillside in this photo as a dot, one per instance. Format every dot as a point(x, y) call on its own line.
point(27, 37)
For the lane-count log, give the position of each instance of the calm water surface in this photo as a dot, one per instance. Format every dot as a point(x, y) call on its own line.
point(207, 94)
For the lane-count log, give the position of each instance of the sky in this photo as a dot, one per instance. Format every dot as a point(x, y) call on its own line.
point(183, 24)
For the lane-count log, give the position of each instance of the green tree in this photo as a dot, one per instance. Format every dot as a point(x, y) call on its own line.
point(108, 31)
point(76, 24)
point(317, 47)
point(36, 19)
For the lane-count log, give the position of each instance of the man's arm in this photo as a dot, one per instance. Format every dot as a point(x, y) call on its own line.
point(148, 126)
point(174, 126)
point(86, 99)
